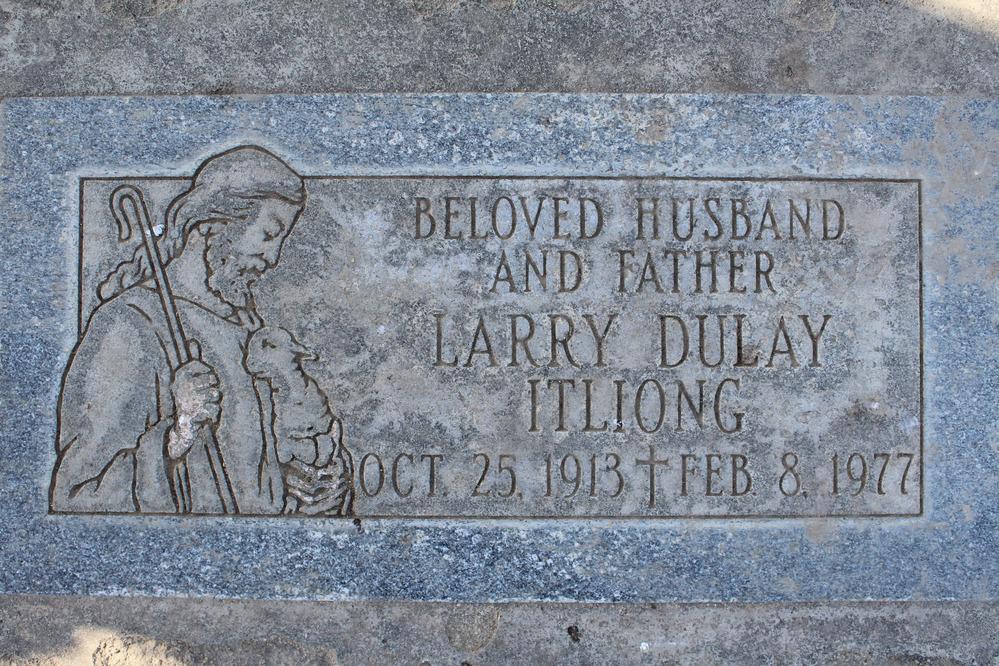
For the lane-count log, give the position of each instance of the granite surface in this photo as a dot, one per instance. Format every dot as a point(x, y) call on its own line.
point(801, 46)
point(945, 553)
point(129, 47)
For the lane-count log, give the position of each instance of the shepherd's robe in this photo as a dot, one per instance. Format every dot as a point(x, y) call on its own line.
point(115, 411)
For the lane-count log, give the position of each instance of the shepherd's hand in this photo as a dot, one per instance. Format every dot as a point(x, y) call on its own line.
point(197, 401)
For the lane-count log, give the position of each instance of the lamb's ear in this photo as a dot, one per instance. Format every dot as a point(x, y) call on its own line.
point(303, 354)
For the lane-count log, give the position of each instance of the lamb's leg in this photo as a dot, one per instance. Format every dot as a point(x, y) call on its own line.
point(328, 444)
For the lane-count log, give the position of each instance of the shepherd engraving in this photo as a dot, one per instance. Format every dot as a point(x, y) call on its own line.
point(178, 398)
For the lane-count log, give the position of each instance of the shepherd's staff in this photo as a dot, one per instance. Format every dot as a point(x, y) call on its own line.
point(130, 213)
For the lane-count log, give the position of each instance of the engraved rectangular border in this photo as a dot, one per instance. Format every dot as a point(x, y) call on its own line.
point(918, 182)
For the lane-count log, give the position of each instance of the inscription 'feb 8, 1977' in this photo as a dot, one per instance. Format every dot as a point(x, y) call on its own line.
point(603, 347)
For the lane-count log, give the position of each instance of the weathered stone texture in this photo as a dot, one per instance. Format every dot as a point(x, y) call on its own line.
point(53, 631)
point(113, 47)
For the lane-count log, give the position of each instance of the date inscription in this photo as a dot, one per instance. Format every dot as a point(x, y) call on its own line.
point(581, 481)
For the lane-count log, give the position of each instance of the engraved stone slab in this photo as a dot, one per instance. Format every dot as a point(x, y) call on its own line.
point(510, 346)
point(493, 347)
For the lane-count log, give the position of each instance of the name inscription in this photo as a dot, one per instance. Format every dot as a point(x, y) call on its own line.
point(586, 347)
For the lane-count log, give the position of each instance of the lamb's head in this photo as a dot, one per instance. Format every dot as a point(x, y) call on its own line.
point(273, 351)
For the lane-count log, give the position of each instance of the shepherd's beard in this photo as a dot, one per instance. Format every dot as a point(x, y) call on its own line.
point(228, 278)
point(236, 290)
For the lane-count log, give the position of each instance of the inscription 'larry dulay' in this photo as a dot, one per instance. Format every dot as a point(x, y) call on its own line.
point(494, 346)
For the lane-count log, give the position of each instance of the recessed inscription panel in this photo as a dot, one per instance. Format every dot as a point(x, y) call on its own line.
point(493, 347)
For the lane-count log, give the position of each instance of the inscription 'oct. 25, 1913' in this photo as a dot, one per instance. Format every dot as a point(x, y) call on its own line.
point(496, 346)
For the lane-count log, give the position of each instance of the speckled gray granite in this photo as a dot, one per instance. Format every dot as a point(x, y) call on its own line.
point(116, 47)
point(946, 551)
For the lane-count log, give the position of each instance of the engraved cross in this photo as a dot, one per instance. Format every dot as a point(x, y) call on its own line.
point(652, 462)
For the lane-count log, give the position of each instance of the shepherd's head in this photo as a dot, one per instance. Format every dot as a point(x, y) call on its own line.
point(244, 203)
